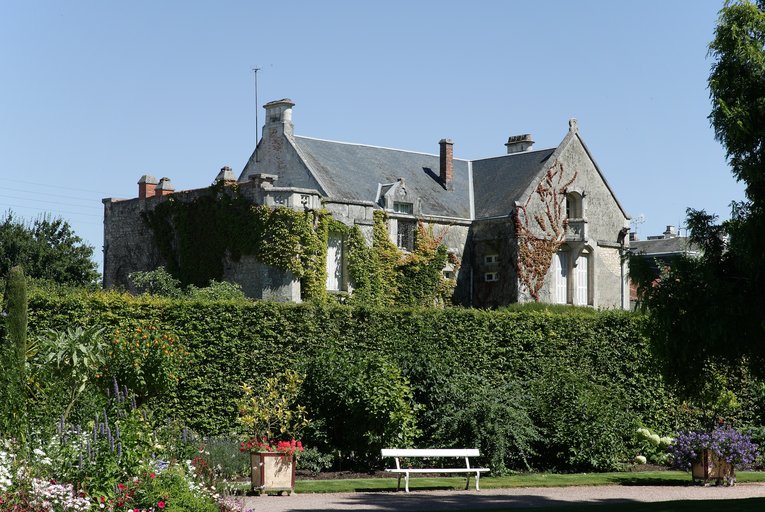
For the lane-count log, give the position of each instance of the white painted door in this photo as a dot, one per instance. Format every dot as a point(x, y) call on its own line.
point(334, 263)
point(581, 281)
point(560, 273)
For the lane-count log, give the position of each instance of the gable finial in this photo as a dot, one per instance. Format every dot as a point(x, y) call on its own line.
point(572, 126)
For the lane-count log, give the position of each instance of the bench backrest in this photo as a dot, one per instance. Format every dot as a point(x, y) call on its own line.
point(430, 452)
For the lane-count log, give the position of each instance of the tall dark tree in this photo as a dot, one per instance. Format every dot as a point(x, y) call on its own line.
point(709, 313)
point(48, 249)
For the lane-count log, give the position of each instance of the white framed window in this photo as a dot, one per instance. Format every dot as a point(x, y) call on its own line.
point(574, 206)
point(335, 264)
point(491, 258)
point(560, 278)
point(582, 281)
point(491, 277)
point(407, 208)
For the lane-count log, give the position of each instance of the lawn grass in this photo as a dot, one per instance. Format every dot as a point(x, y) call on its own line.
point(519, 480)
point(742, 505)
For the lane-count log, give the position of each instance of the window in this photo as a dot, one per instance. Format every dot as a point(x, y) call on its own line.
point(335, 271)
point(581, 281)
point(448, 274)
point(407, 208)
point(560, 278)
point(491, 277)
point(574, 206)
point(405, 234)
point(491, 258)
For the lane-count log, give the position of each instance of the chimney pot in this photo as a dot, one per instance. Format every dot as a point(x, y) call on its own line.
point(446, 162)
point(519, 143)
point(146, 186)
point(164, 188)
point(226, 175)
point(279, 115)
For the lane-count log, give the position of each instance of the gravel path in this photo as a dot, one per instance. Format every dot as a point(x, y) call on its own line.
point(493, 498)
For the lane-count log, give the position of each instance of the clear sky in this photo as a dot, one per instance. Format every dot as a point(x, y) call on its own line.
point(94, 94)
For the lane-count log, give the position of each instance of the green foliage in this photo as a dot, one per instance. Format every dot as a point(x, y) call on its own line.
point(361, 403)
point(226, 224)
point(710, 311)
point(653, 446)
point(146, 358)
point(47, 249)
point(216, 290)
point(585, 425)
point(268, 410)
point(74, 357)
point(156, 282)
point(428, 351)
point(314, 461)
point(13, 349)
point(174, 489)
point(493, 418)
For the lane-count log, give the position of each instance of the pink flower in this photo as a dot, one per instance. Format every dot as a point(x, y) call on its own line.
point(161, 504)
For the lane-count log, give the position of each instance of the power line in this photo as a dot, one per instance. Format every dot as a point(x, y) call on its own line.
point(49, 202)
point(56, 212)
point(37, 193)
point(100, 192)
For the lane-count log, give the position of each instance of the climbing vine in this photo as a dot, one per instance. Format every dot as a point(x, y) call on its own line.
point(535, 251)
point(226, 224)
point(195, 237)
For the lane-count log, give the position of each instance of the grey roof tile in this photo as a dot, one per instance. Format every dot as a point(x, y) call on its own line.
point(353, 172)
point(500, 181)
point(675, 245)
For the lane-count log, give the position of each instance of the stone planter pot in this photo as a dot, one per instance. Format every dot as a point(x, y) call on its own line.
point(712, 467)
point(272, 472)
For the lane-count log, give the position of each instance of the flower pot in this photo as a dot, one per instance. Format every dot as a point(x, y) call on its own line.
point(712, 467)
point(272, 471)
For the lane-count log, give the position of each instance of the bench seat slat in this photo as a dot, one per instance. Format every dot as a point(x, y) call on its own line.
point(430, 452)
point(439, 470)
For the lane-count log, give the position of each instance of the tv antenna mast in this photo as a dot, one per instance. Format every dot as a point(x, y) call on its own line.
point(257, 122)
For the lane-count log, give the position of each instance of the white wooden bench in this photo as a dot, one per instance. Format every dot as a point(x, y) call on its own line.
point(465, 453)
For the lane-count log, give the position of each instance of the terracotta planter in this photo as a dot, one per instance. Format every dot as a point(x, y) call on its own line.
point(272, 471)
point(712, 467)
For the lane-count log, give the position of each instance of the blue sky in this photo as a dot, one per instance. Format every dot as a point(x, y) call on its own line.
point(94, 94)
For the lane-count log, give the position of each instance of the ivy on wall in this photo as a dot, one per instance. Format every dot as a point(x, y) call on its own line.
point(539, 241)
point(195, 237)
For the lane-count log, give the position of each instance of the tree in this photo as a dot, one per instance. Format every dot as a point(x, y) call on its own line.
point(711, 311)
point(13, 357)
point(46, 249)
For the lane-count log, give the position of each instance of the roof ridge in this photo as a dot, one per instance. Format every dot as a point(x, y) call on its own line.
point(376, 147)
point(513, 154)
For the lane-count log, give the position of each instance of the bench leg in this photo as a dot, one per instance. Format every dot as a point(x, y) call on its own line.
point(467, 482)
point(398, 484)
point(406, 481)
point(477, 478)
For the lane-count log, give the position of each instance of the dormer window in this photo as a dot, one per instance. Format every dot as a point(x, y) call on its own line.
point(406, 208)
point(574, 209)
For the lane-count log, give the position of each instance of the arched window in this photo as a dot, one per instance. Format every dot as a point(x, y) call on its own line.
point(574, 208)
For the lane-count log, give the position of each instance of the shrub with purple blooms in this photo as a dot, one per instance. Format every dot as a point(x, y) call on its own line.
point(729, 444)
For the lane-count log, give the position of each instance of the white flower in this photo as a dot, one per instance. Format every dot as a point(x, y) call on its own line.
point(38, 452)
point(640, 459)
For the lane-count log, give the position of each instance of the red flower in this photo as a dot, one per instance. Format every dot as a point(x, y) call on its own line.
point(161, 504)
point(121, 487)
point(153, 475)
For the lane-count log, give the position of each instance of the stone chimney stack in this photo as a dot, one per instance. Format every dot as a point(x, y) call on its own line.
point(226, 175)
point(278, 117)
point(670, 232)
point(446, 162)
point(146, 186)
point(519, 143)
point(165, 187)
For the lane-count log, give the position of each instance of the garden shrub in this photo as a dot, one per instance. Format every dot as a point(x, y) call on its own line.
point(584, 425)
point(359, 404)
point(231, 342)
point(491, 417)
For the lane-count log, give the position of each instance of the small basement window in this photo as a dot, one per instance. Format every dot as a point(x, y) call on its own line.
point(491, 277)
point(491, 258)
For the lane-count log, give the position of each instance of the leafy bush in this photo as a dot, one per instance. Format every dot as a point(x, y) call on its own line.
point(156, 282)
point(584, 425)
point(360, 404)
point(314, 461)
point(493, 418)
point(653, 447)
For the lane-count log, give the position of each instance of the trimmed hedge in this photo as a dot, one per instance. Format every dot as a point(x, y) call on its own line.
point(234, 342)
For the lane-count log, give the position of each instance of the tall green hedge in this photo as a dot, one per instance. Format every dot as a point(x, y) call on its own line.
point(234, 342)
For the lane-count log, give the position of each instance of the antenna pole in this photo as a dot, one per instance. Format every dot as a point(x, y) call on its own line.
point(257, 123)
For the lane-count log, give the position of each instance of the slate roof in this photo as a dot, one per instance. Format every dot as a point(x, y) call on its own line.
point(662, 246)
point(500, 181)
point(354, 171)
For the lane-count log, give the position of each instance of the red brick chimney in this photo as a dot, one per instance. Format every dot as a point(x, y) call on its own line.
point(146, 186)
point(164, 188)
point(446, 156)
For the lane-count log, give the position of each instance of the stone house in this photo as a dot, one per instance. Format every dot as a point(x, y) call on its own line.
point(526, 225)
